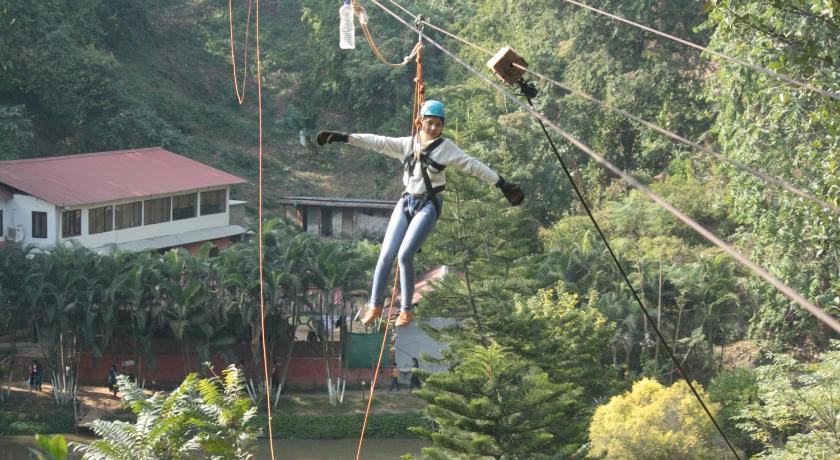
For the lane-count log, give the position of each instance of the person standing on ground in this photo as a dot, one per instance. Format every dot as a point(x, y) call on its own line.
point(112, 380)
point(415, 381)
point(395, 378)
point(34, 369)
point(424, 157)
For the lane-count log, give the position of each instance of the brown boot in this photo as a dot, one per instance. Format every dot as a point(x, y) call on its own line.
point(371, 315)
point(404, 319)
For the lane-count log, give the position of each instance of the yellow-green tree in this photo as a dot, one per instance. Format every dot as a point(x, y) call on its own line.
point(655, 422)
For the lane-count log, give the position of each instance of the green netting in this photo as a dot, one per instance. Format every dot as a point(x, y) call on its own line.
point(362, 350)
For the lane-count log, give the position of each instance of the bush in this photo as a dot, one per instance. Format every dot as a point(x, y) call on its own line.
point(734, 391)
point(655, 422)
point(794, 412)
point(344, 426)
point(55, 421)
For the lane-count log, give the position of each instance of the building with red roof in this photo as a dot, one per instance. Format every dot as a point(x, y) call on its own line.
point(120, 200)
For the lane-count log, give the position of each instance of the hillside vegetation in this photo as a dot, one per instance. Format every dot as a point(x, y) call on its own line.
point(548, 330)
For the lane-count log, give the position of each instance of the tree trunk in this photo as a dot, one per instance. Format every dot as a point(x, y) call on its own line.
point(658, 316)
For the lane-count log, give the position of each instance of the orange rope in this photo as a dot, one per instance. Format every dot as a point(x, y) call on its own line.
point(419, 91)
point(378, 362)
point(359, 11)
point(260, 239)
point(419, 97)
point(240, 97)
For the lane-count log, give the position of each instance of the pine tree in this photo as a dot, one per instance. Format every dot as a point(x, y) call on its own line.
point(492, 405)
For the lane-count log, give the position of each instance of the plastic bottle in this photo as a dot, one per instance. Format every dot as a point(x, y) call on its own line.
point(346, 30)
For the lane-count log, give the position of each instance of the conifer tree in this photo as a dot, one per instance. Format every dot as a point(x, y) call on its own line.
point(492, 405)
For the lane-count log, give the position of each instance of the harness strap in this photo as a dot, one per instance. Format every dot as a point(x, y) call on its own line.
point(431, 192)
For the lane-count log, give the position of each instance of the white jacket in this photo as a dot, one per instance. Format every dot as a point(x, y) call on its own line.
point(447, 153)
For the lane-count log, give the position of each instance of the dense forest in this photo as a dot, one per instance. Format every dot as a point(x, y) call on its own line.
point(552, 356)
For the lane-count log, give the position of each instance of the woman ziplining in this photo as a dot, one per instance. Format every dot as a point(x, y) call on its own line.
point(425, 156)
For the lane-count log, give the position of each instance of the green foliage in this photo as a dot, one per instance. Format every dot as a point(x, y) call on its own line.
point(493, 404)
point(50, 447)
point(19, 423)
point(655, 422)
point(789, 132)
point(210, 417)
point(734, 391)
point(382, 425)
point(794, 413)
point(15, 132)
point(80, 300)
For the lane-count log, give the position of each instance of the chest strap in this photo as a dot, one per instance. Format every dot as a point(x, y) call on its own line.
point(425, 162)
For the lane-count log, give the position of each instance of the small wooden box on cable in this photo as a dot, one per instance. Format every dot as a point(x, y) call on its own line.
point(503, 65)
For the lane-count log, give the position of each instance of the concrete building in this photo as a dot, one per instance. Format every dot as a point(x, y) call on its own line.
point(348, 218)
point(122, 200)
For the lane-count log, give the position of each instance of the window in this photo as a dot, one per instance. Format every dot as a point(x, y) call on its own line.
point(100, 220)
point(71, 223)
point(156, 211)
point(128, 215)
point(183, 206)
point(213, 202)
point(39, 224)
point(326, 222)
point(1, 222)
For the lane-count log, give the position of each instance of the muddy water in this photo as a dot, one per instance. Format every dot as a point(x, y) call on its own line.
point(15, 448)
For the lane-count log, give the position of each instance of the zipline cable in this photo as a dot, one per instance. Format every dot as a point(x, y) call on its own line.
point(606, 243)
point(241, 98)
point(749, 169)
point(636, 296)
point(789, 292)
point(757, 68)
point(711, 237)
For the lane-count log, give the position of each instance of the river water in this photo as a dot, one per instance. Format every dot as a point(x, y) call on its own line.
point(15, 448)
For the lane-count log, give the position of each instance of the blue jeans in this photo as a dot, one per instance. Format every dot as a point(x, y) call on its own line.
point(402, 239)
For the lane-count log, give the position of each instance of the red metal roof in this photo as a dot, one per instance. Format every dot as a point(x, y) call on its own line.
point(107, 176)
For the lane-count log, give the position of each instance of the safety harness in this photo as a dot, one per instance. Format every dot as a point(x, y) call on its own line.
point(431, 192)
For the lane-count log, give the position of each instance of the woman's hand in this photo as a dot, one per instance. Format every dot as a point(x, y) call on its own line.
point(328, 137)
point(512, 192)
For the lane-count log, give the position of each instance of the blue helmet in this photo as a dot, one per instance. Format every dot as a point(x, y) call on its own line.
point(433, 109)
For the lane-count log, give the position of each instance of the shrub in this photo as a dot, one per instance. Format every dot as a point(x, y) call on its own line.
point(655, 422)
point(344, 426)
point(56, 421)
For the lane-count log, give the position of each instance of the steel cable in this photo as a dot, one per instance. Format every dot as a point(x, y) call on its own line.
point(767, 178)
point(757, 68)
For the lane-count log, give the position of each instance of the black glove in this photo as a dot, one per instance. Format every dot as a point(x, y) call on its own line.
point(512, 192)
point(328, 137)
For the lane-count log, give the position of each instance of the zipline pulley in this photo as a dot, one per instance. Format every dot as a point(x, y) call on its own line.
point(508, 65)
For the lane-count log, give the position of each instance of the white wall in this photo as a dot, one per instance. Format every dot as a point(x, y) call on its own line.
point(18, 211)
point(147, 231)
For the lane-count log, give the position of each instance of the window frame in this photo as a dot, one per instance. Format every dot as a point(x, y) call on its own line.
point(150, 209)
point(107, 219)
point(67, 226)
point(222, 204)
point(119, 217)
point(37, 225)
point(176, 215)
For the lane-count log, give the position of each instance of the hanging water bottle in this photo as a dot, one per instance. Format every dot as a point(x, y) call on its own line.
point(346, 30)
